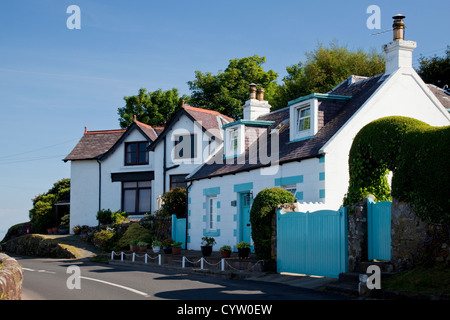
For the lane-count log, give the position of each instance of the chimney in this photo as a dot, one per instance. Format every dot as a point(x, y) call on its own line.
point(252, 91)
point(255, 106)
point(399, 51)
point(260, 94)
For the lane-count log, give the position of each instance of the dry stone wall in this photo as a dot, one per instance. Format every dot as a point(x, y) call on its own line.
point(11, 278)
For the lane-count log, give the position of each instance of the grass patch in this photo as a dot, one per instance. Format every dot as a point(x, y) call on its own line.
point(432, 280)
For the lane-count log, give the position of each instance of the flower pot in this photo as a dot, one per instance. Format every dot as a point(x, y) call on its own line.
point(133, 247)
point(142, 248)
point(206, 250)
point(156, 249)
point(176, 250)
point(63, 231)
point(243, 252)
point(55, 230)
point(49, 230)
point(225, 253)
point(167, 250)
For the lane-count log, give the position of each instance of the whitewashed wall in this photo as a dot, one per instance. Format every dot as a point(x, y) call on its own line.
point(402, 94)
point(310, 199)
point(83, 192)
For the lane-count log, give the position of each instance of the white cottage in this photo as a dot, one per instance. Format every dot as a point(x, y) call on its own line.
point(303, 147)
point(130, 169)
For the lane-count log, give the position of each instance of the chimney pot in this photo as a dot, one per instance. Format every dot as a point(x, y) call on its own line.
point(399, 27)
point(252, 91)
point(260, 94)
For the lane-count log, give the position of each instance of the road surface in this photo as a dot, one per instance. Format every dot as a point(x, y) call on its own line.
point(60, 279)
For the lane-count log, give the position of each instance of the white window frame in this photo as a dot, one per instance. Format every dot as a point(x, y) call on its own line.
point(211, 213)
point(234, 141)
point(295, 116)
point(292, 188)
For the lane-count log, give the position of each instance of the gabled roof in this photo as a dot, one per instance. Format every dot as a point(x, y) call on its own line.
point(97, 145)
point(209, 120)
point(336, 113)
point(94, 144)
point(442, 95)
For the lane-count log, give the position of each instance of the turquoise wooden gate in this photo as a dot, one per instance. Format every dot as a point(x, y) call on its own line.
point(379, 230)
point(312, 243)
point(179, 230)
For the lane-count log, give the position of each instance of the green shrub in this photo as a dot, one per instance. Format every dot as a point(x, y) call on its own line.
point(263, 209)
point(174, 202)
point(415, 152)
point(135, 232)
point(106, 217)
point(105, 240)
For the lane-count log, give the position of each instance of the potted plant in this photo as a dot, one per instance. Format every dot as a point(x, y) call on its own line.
point(176, 247)
point(156, 246)
point(142, 246)
point(208, 243)
point(225, 251)
point(65, 223)
point(133, 245)
point(167, 245)
point(243, 249)
point(76, 230)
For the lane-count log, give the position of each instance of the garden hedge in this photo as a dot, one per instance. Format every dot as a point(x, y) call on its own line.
point(263, 209)
point(415, 152)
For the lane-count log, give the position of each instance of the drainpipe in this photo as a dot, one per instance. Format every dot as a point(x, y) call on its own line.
point(99, 185)
point(187, 211)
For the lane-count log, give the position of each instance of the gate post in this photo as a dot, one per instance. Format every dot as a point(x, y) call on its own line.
point(357, 234)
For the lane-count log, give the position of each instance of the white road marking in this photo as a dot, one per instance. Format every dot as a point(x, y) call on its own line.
point(118, 285)
point(92, 279)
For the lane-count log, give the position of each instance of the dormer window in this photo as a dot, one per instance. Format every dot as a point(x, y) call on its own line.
point(234, 140)
point(136, 153)
point(303, 124)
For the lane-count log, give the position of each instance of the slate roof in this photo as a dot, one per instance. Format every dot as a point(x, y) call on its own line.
point(442, 95)
point(335, 114)
point(208, 118)
point(94, 144)
point(98, 144)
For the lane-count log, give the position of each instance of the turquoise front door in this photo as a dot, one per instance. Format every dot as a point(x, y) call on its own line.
point(245, 206)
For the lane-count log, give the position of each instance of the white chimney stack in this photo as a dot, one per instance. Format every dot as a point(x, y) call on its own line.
point(399, 51)
point(256, 106)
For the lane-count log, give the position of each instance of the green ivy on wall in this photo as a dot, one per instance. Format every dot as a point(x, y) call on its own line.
point(415, 152)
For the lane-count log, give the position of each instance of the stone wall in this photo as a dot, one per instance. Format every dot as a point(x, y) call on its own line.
point(11, 277)
point(413, 241)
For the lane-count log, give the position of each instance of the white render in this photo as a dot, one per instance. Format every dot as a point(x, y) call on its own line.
point(325, 180)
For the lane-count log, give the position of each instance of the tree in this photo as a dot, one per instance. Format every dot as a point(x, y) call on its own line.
point(435, 70)
point(43, 214)
point(153, 108)
point(323, 70)
point(227, 91)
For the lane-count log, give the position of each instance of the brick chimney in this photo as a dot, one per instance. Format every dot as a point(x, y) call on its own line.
point(256, 106)
point(399, 51)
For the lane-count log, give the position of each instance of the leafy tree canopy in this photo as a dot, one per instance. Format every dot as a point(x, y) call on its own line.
point(324, 69)
point(153, 108)
point(227, 91)
point(435, 70)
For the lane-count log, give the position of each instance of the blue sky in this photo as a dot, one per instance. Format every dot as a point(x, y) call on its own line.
point(54, 81)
